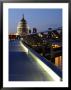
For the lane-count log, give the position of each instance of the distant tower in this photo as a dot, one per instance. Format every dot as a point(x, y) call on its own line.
point(29, 31)
point(34, 30)
point(22, 29)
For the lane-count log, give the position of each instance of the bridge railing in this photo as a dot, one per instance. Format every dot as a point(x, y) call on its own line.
point(54, 72)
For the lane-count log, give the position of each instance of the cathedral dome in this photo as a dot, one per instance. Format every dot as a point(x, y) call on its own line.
point(22, 27)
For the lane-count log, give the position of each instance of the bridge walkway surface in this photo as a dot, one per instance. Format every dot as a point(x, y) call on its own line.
point(22, 67)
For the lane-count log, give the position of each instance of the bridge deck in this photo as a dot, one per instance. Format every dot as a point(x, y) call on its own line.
point(22, 67)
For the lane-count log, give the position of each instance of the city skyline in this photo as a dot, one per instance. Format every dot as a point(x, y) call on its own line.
point(42, 19)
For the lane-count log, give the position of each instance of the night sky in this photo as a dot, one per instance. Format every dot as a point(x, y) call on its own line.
point(42, 19)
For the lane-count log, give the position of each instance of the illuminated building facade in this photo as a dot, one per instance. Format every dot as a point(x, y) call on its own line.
point(22, 28)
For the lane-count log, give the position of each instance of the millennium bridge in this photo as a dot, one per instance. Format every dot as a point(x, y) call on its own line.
point(30, 60)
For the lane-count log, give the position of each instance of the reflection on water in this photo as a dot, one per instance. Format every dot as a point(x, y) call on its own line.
point(58, 62)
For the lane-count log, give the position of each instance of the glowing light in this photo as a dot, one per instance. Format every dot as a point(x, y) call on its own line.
point(40, 35)
point(55, 46)
point(49, 71)
point(52, 75)
point(56, 37)
point(16, 33)
point(25, 49)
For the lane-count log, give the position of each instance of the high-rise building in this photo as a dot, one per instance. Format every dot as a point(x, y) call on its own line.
point(22, 28)
point(34, 30)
